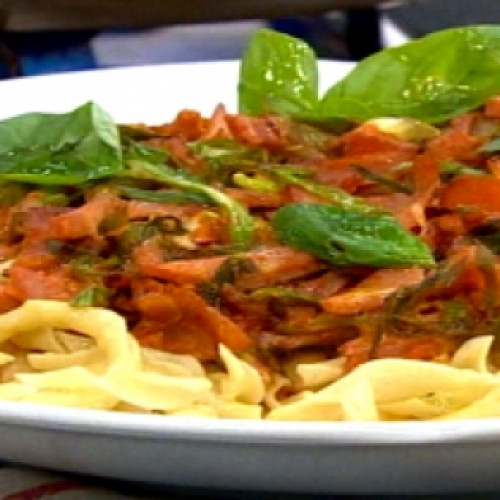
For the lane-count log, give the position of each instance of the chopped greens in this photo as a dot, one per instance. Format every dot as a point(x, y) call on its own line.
point(285, 294)
point(242, 224)
point(332, 194)
point(492, 146)
point(92, 296)
point(256, 182)
point(384, 180)
point(450, 169)
point(223, 158)
point(227, 273)
point(163, 196)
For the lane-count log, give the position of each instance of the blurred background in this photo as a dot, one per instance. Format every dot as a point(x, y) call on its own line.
point(49, 36)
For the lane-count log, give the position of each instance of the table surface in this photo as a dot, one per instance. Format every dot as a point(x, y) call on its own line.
point(22, 483)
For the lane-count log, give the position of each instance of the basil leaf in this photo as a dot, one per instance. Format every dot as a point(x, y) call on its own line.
point(61, 149)
point(432, 79)
point(278, 74)
point(346, 237)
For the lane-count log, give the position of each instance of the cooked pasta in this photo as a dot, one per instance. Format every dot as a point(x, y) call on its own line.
point(108, 370)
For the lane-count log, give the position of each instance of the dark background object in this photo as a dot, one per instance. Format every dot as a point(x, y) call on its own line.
point(423, 16)
point(363, 32)
point(37, 15)
point(46, 36)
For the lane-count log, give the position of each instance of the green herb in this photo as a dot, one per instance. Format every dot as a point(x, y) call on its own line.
point(11, 193)
point(489, 235)
point(419, 308)
point(139, 232)
point(55, 199)
point(491, 147)
point(383, 180)
point(457, 314)
point(332, 194)
point(226, 152)
point(255, 182)
point(228, 272)
point(486, 264)
point(60, 149)
point(346, 237)
point(84, 265)
point(450, 169)
point(241, 222)
point(232, 268)
point(224, 157)
point(282, 293)
point(92, 296)
point(164, 196)
point(278, 74)
point(137, 133)
point(310, 135)
point(406, 129)
point(431, 79)
point(112, 221)
point(134, 150)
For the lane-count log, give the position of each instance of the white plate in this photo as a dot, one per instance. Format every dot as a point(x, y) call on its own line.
point(294, 457)
point(148, 93)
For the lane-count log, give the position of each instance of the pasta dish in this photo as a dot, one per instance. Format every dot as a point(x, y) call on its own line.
point(307, 258)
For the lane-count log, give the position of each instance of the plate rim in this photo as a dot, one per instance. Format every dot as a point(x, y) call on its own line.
point(20, 414)
point(359, 433)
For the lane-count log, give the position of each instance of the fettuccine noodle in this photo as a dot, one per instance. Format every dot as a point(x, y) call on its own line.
point(105, 368)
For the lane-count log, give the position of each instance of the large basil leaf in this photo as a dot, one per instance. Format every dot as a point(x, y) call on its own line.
point(432, 79)
point(278, 74)
point(60, 149)
point(347, 237)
